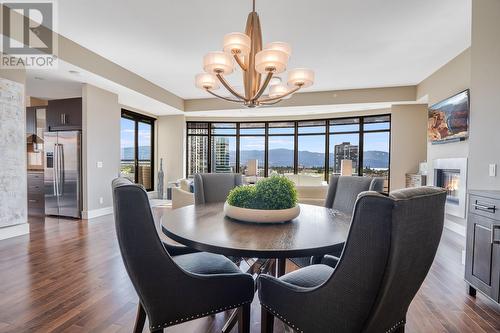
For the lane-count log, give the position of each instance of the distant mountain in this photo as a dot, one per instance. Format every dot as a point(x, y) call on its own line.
point(376, 159)
point(283, 157)
point(127, 153)
point(279, 157)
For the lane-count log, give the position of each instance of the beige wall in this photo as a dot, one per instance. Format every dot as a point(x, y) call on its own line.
point(485, 94)
point(171, 139)
point(408, 141)
point(100, 143)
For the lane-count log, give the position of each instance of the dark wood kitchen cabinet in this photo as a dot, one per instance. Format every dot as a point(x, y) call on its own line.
point(482, 264)
point(36, 196)
point(64, 114)
point(31, 120)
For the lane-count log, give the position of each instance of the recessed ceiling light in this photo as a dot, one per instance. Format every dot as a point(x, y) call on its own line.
point(74, 72)
point(275, 80)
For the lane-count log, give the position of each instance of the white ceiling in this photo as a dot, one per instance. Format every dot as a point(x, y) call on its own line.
point(349, 44)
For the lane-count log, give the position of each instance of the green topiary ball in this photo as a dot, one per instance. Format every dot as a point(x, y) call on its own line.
point(276, 192)
point(242, 196)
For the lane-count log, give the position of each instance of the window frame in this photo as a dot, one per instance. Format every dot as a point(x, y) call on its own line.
point(361, 121)
point(141, 118)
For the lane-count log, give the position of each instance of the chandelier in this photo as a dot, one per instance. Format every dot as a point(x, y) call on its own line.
point(245, 49)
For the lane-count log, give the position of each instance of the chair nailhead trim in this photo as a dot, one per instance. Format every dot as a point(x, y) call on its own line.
point(178, 321)
point(276, 314)
point(398, 324)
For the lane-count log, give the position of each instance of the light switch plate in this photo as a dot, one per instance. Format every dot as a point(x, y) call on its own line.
point(493, 170)
point(99, 164)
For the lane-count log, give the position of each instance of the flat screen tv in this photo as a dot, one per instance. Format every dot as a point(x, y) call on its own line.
point(449, 119)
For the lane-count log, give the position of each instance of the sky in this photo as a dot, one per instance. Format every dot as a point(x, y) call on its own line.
point(127, 134)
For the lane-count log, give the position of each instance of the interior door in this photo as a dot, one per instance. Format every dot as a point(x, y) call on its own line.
point(50, 177)
point(69, 174)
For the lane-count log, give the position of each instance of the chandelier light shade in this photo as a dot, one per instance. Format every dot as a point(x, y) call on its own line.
point(258, 65)
point(302, 77)
point(218, 63)
point(281, 46)
point(207, 81)
point(278, 90)
point(237, 43)
point(271, 61)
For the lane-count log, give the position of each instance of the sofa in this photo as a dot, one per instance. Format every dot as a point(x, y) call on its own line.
point(311, 189)
point(182, 195)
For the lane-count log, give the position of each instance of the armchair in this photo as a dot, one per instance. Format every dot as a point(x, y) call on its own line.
point(214, 187)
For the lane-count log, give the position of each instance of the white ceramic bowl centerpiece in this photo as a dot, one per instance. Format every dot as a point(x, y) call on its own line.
point(271, 200)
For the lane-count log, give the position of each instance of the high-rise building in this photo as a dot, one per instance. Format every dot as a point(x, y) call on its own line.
point(221, 155)
point(197, 153)
point(345, 151)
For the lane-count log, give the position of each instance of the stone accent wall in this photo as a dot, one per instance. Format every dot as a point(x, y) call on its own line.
point(13, 188)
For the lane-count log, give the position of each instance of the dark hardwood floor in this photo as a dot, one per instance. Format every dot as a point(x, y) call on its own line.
point(67, 276)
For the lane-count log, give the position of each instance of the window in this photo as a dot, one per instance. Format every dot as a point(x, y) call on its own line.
point(223, 149)
point(312, 148)
point(252, 148)
point(137, 148)
point(376, 153)
point(197, 148)
point(281, 148)
point(343, 144)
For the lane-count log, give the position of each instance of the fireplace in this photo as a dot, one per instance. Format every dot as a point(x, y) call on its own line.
point(451, 174)
point(449, 179)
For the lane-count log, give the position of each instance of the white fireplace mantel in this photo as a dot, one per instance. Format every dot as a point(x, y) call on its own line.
point(459, 209)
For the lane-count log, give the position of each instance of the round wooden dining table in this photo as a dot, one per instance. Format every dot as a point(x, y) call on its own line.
point(316, 231)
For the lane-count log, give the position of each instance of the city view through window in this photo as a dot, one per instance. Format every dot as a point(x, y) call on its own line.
point(295, 147)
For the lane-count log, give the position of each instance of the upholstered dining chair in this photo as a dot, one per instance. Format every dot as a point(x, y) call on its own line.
point(175, 289)
point(343, 191)
point(341, 196)
point(214, 187)
point(172, 248)
point(391, 245)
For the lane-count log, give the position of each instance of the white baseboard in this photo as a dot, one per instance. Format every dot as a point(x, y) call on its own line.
point(90, 214)
point(455, 227)
point(14, 231)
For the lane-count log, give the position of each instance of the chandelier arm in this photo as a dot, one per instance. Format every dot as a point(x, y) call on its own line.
point(271, 103)
point(240, 62)
point(264, 86)
point(222, 97)
point(229, 88)
point(270, 99)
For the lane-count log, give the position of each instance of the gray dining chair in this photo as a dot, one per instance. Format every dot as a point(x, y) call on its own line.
point(175, 289)
point(172, 248)
point(343, 191)
point(391, 245)
point(214, 187)
point(341, 196)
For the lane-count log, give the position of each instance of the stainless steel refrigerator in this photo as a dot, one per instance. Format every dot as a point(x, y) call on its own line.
point(63, 173)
